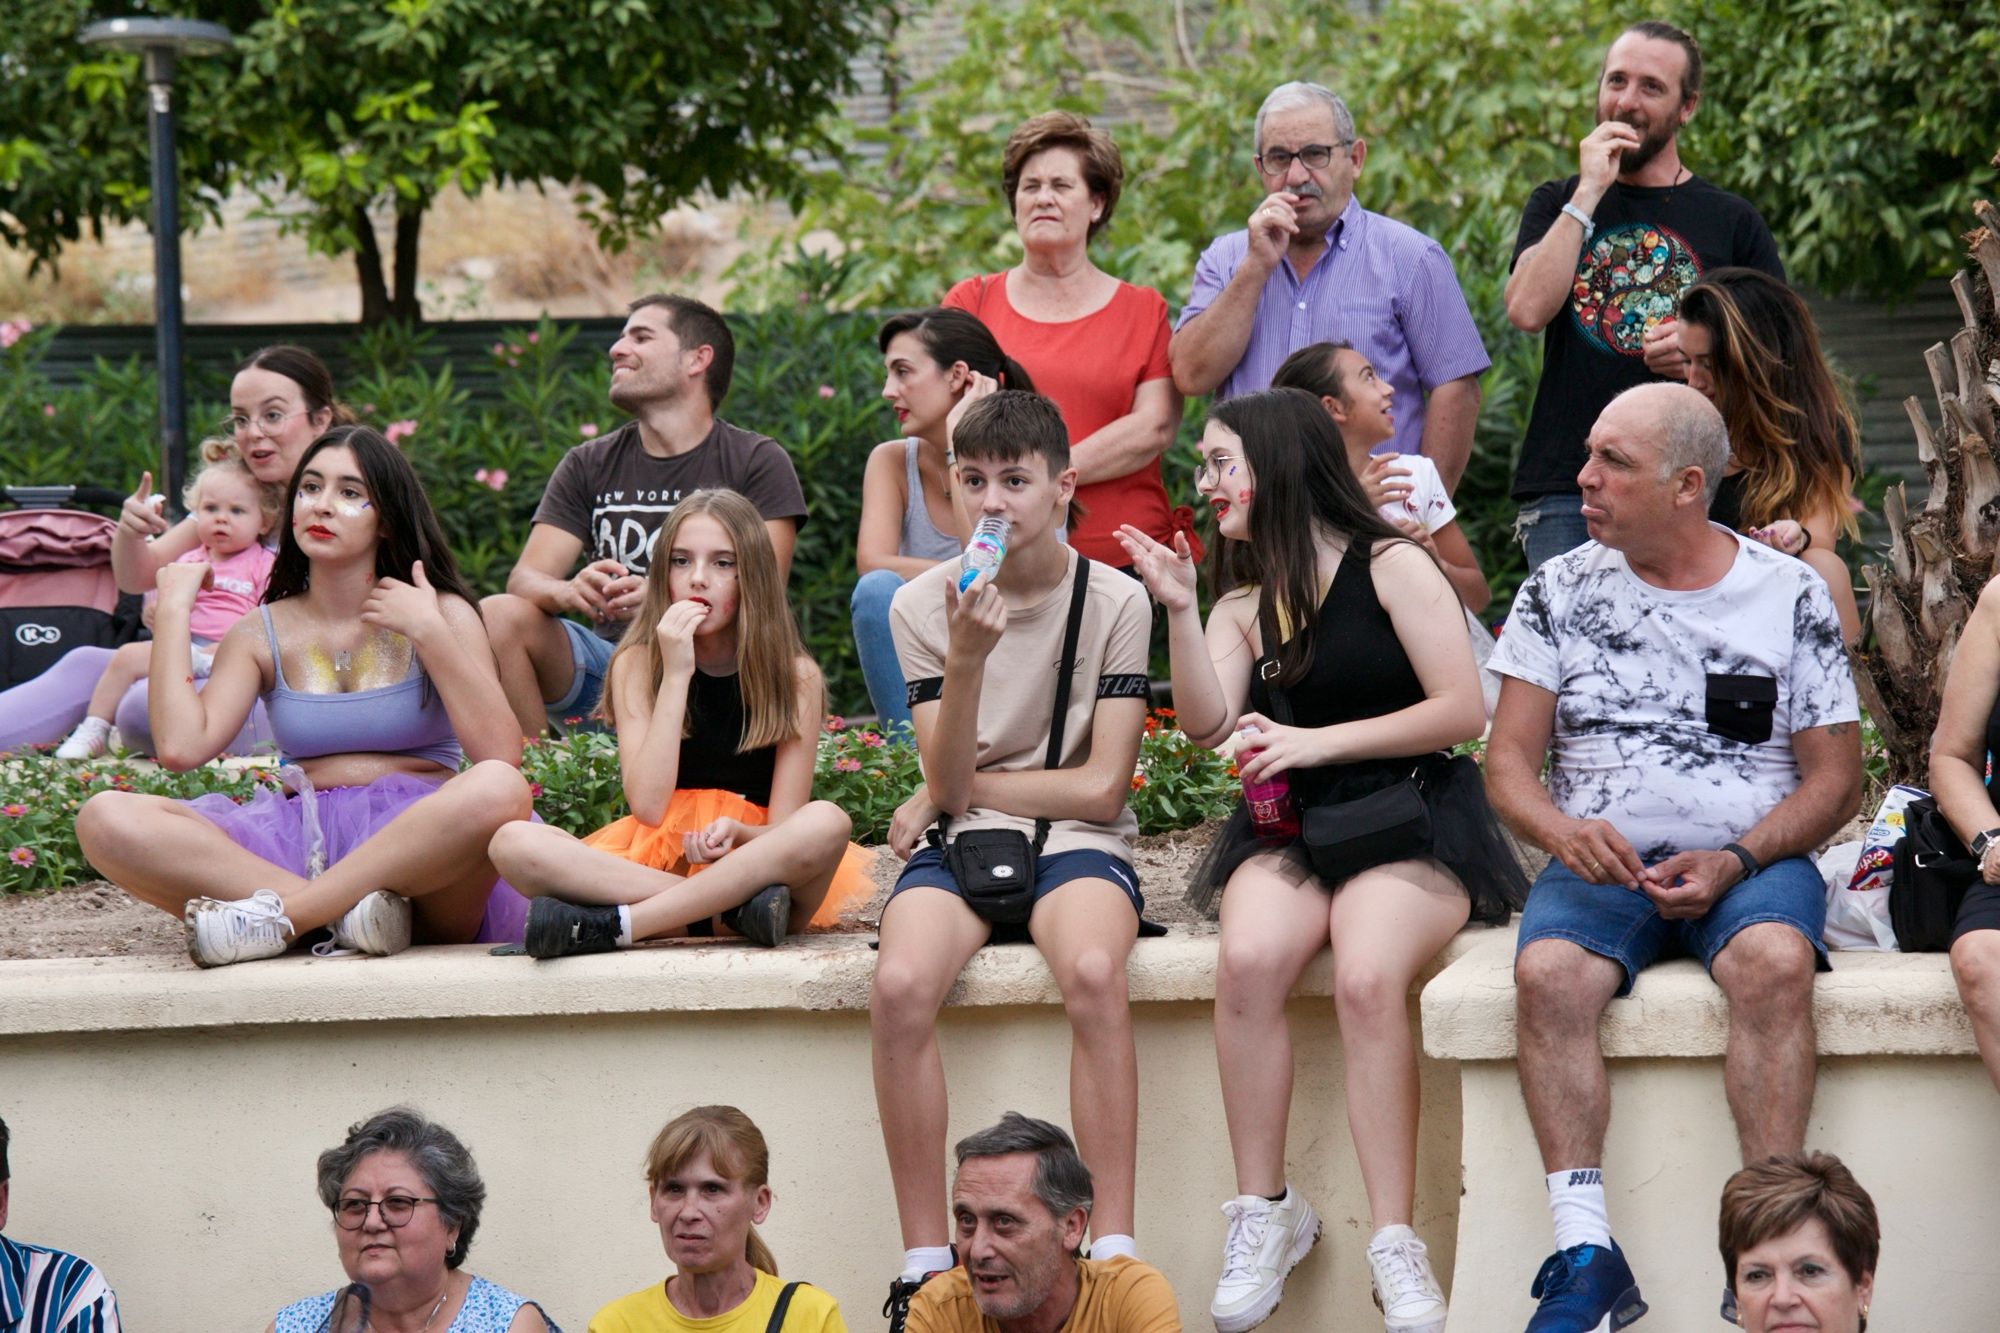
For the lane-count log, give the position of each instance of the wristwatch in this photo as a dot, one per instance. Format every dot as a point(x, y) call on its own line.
point(1981, 841)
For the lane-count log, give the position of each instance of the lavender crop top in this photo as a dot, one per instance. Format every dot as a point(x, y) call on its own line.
point(408, 717)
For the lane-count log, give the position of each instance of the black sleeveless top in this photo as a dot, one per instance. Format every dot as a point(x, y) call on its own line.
point(1359, 670)
point(715, 728)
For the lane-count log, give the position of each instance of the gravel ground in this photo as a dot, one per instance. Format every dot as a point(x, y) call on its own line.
point(97, 920)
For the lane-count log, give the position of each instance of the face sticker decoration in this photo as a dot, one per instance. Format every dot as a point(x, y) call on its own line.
point(342, 506)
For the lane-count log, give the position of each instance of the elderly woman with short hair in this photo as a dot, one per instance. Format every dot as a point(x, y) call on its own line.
point(405, 1197)
point(1799, 1240)
point(1096, 346)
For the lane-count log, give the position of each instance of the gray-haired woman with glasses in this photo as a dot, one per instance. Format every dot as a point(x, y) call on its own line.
point(405, 1197)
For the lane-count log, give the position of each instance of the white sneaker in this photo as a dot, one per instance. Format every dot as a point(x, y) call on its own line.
point(90, 739)
point(1409, 1297)
point(1266, 1240)
point(379, 924)
point(220, 933)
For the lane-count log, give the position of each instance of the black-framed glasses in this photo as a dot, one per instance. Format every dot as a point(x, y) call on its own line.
point(266, 422)
point(1278, 161)
point(397, 1210)
point(1210, 469)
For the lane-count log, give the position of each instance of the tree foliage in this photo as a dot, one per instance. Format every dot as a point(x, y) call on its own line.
point(367, 109)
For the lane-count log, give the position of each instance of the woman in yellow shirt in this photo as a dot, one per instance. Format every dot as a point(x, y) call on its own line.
point(709, 1170)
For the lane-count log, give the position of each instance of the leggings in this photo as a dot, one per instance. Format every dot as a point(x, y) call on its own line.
point(46, 709)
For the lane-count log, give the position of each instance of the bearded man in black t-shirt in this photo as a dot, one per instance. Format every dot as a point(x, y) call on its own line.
point(1601, 261)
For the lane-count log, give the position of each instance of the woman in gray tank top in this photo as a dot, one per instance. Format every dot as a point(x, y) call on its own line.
point(933, 360)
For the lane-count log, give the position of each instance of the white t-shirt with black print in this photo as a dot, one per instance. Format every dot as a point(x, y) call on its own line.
point(1675, 710)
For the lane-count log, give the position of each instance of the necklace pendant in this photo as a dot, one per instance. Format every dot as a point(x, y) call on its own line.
point(343, 661)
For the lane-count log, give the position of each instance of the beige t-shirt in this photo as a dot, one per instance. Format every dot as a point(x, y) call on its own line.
point(1018, 694)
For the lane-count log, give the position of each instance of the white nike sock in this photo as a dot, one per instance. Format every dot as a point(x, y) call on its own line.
point(925, 1259)
point(1576, 1200)
point(1104, 1247)
point(624, 926)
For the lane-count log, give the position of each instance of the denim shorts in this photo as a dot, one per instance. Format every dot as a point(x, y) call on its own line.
point(589, 657)
point(928, 870)
point(1625, 926)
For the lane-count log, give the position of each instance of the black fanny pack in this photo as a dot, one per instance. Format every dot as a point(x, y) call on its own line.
point(994, 868)
point(1344, 838)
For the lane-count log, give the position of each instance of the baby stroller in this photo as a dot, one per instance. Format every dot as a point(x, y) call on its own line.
point(56, 587)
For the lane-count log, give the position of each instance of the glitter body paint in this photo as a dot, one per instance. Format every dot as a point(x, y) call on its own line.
point(382, 658)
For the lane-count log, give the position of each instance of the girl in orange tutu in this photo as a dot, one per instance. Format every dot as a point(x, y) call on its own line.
point(717, 709)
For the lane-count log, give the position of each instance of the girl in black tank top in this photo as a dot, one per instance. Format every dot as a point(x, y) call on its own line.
point(718, 711)
point(1367, 659)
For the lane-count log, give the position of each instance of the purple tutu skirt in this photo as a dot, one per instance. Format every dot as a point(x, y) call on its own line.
point(307, 829)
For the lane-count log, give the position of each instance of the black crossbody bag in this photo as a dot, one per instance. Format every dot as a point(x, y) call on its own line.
point(1344, 838)
point(995, 867)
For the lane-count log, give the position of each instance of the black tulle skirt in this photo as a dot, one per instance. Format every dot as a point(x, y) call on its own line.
point(1466, 838)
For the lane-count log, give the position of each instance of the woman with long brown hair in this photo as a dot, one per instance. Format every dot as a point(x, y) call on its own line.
point(371, 660)
point(1793, 444)
point(1336, 651)
point(717, 707)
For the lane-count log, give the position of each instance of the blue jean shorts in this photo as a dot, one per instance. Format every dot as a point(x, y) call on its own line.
point(1625, 926)
point(589, 658)
point(928, 870)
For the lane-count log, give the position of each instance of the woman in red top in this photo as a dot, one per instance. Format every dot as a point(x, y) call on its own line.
point(1095, 345)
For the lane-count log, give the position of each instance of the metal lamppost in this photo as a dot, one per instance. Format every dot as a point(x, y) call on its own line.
point(162, 42)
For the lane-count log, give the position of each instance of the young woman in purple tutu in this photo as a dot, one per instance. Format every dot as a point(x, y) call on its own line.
point(371, 660)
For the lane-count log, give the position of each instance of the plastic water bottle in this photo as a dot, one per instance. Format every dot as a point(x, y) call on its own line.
point(1272, 814)
point(985, 551)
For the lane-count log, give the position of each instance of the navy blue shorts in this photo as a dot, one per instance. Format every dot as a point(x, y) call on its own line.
point(927, 870)
point(1625, 926)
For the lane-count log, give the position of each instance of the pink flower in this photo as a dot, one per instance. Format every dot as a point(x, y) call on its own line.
point(25, 856)
point(48, 409)
point(13, 811)
point(847, 765)
point(499, 349)
point(588, 430)
point(534, 338)
point(535, 790)
point(398, 431)
point(834, 722)
point(12, 331)
point(494, 478)
point(871, 740)
point(515, 348)
point(513, 360)
point(826, 391)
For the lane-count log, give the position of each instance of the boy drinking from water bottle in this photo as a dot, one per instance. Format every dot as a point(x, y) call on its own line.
point(1020, 829)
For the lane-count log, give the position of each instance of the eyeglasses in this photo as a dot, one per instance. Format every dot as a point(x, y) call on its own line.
point(1278, 161)
point(397, 1210)
point(266, 422)
point(1210, 469)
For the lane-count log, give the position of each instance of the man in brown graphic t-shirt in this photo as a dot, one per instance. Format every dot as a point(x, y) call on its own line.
point(670, 369)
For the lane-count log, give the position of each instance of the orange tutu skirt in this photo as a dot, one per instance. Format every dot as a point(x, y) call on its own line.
point(691, 809)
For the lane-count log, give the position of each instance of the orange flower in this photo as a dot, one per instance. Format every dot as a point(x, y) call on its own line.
point(1138, 781)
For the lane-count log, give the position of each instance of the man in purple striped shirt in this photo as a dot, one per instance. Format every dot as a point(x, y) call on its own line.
point(1312, 266)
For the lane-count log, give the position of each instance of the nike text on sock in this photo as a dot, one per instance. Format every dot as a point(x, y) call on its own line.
point(1576, 1202)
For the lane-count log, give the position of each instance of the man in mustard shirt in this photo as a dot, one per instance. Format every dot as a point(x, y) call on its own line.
point(1020, 1207)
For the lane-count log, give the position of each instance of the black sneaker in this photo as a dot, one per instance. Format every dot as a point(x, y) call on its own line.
point(764, 920)
point(557, 928)
point(897, 1308)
